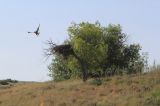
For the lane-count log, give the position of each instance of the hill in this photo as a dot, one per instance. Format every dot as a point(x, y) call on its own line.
point(127, 90)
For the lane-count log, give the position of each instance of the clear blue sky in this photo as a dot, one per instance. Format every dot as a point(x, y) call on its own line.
point(21, 54)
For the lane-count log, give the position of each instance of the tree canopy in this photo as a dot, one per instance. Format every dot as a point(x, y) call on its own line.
point(93, 50)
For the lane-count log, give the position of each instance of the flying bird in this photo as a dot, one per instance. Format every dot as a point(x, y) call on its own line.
point(36, 31)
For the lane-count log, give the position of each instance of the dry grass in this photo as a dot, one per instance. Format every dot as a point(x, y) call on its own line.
point(128, 90)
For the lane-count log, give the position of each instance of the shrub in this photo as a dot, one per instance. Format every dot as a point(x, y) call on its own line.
point(3, 82)
point(96, 81)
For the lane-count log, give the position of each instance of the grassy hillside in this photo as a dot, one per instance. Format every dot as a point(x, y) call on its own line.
point(128, 90)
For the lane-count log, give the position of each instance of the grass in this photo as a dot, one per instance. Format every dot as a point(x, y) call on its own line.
point(127, 90)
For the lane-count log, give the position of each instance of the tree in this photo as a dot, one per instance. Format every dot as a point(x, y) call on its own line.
point(115, 40)
point(89, 45)
point(58, 69)
point(132, 59)
point(95, 51)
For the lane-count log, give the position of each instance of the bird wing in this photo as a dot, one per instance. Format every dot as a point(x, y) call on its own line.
point(38, 28)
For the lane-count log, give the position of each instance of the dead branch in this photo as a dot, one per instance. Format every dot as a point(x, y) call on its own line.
point(64, 49)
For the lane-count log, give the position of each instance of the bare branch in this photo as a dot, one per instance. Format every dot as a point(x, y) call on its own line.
point(65, 49)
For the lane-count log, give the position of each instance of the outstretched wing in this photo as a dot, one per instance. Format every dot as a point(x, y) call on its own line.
point(37, 31)
point(38, 28)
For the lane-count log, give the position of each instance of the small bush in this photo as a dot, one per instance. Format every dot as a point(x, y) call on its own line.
point(4, 82)
point(96, 81)
point(7, 81)
point(11, 81)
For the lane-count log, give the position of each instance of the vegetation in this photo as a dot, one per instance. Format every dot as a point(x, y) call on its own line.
point(7, 81)
point(94, 51)
point(126, 90)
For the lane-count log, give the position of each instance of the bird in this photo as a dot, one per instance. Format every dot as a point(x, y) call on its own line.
point(36, 32)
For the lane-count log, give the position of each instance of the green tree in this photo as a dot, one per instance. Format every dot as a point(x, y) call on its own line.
point(115, 40)
point(89, 45)
point(96, 51)
point(132, 60)
point(58, 69)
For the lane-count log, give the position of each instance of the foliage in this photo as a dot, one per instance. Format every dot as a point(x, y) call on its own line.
point(7, 81)
point(89, 45)
point(97, 81)
point(58, 69)
point(97, 51)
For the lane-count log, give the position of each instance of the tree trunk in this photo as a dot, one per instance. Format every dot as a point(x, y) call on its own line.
point(83, 67)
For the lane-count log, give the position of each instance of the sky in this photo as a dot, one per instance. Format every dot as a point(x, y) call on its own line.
point(22, 54)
